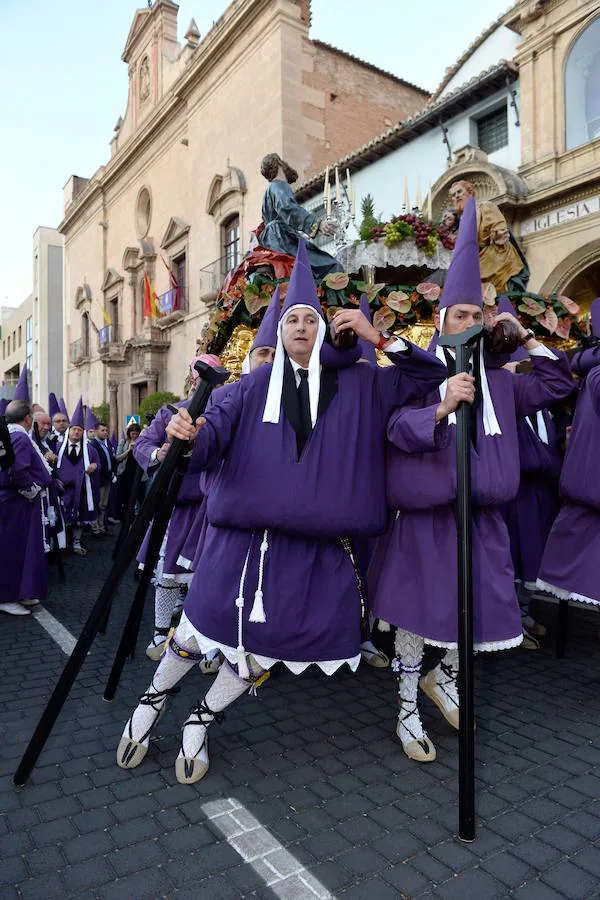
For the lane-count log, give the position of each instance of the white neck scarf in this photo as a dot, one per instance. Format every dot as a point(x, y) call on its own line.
point(89, 495)
point(273, 403)
point(491, 425)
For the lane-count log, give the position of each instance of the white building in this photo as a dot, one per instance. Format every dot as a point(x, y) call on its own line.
point(48, 324)
point(32, 334)
point(474, 115)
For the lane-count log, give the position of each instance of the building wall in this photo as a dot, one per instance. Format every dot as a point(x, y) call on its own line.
point(47, 313)
point(347, 103)
point(500, 44)
point(560, 221)
point(195, 144)
point(422, 160)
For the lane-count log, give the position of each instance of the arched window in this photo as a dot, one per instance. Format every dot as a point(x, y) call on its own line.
point(582, 88)
point(85, 335)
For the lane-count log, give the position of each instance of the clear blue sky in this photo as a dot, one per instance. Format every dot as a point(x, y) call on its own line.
point(64, 86)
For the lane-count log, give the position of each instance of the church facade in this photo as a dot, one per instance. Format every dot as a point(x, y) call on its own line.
point(173, 208)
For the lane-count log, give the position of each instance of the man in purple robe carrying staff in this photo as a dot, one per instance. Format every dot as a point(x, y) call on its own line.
point(413, 573)
point(570, 568)
point(302, 447)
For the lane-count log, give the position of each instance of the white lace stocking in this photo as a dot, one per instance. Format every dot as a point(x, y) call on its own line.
point(409, 650)
point(226, 688)
point(166, 598)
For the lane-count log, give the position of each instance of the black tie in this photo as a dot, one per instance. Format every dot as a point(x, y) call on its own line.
point(73, 454)
point(304, 405)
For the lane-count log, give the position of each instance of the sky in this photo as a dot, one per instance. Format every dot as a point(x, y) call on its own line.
point(64, 86)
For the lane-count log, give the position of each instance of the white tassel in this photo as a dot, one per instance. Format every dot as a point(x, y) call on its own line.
point(242, 663)
point(382, 625)
point(243, 670)
point(257, 613)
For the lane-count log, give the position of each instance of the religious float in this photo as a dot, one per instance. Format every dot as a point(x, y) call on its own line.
point(399, 264)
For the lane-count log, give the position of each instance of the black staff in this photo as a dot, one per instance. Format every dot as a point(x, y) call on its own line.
point(462, 344)
point(211, 377)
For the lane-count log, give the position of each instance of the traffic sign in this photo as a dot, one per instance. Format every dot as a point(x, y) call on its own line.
point(131, 420)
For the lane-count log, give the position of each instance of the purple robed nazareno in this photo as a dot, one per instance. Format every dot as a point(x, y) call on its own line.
point(413, 572)
point(186, 511)
point(72, 476)
point(17, 516)
point(570, 567)
point(297, 508)
point(530, 515)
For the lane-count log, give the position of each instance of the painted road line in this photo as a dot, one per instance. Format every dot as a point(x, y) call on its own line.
point(57, 632)
point(281, 872)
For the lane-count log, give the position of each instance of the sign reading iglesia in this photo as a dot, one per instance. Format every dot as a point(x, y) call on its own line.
point(561, 216)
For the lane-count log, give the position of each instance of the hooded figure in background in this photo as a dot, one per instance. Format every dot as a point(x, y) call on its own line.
point(569, 567)
point(78, 469)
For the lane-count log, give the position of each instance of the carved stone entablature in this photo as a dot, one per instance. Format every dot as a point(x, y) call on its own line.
point(491, 182)
point(176, 230)
point(223, 187)
point(131, 259)
point(83, 294)
point(112, 280)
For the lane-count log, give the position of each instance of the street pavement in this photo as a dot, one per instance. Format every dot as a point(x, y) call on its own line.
point(309, 793)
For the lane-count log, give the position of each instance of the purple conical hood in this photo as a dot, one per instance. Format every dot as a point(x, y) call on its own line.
point(22, 388)
point(3, 405)
point(595, 317)
point(301, 289)
point(266, 336)
point(505, 306)
point(463, 279)
point(53, 405)
point(63, 407)
point(77, 417)
point(113, 441)
point(90, 419)
point(367, 348)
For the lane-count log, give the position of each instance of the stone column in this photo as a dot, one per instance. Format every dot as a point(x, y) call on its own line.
point(152, 377)
point(113, 390)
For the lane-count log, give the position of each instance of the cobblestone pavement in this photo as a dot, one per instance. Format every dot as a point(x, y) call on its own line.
point(309, 794)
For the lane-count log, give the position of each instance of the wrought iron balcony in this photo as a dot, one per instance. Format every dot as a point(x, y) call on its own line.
point(109, 334)
point(175, 300)
point(211, 278)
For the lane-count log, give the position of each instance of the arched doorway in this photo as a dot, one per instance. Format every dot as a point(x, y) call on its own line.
point(585, 286)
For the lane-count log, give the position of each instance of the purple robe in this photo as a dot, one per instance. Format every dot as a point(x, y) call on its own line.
point(297, 509)
point(569, 566)
point(72, 476)
point(18, 517)
point(413, 573)
point(530, 515)
point(186, 516)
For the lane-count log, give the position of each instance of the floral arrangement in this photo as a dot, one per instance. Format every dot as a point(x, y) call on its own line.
point(408, 225)
point(393, 307)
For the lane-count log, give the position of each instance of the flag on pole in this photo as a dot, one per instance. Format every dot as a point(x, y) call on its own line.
point(107, 318)
point(151, 306)
point(172, 296)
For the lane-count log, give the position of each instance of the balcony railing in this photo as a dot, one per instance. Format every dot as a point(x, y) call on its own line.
point(211, 278)
point(109, 334)
point(79, 351)
point(173, 300)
